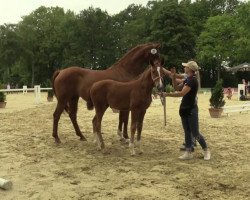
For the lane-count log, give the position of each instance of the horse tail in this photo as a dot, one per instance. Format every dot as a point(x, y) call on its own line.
point(56, 73)
point(90, 104)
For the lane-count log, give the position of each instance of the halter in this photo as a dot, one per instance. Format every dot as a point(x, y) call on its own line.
point(158, 77)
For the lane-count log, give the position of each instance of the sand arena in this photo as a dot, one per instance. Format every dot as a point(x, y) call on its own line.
point(39, 169)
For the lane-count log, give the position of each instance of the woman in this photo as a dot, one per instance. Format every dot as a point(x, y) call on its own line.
point(189, 110)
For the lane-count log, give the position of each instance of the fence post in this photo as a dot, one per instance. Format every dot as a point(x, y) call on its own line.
point(25, 89)
point(37, 93)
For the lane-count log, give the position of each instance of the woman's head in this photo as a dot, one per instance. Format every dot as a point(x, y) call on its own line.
point(190, 68)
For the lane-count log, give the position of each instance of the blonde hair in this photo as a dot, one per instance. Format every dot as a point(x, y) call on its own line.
point(197, 74)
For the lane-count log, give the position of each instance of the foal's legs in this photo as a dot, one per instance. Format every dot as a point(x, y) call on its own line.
point(94, 128)
point(57, 114)
point(139, 129)
point(125, 124)
point(73, 105)
point(123, 121)
point(134, 117)
point(99, 114)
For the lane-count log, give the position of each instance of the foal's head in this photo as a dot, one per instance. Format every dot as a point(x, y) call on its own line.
point(157, 71)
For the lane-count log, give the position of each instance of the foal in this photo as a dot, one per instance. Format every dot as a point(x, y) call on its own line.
point(134, 96)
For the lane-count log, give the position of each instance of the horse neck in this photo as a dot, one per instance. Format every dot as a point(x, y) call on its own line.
point(132, 63)
point(147, 83)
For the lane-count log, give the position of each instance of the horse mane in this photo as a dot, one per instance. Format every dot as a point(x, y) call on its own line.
point(142, 74)
point(128, 54)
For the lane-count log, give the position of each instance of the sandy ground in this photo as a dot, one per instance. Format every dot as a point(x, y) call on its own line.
point(39, 169)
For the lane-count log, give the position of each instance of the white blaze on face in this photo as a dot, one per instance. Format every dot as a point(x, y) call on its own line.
point(159, 73)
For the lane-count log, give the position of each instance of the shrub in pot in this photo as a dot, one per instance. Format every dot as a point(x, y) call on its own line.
point(217, 100)
point(2, 100)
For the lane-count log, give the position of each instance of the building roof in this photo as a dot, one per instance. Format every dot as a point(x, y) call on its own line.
point(241, 67)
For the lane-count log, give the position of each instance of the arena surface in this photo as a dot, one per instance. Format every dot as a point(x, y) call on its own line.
point(40, 169)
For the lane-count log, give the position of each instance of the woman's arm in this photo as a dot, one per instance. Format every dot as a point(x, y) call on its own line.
point(177, 83)
point(169, 74)
point(183, 92)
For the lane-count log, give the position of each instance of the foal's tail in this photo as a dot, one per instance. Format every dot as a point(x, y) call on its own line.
point(56, 73)
point(90, 105)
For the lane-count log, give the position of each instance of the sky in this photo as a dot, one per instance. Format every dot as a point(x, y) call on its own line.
point(11, 11)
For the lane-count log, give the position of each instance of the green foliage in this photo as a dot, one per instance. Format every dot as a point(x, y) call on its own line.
point(2, 97)
point(169, 88)
point(217, 40)
point(154, 91)
point(2, 86)
point(216, 100)
point(171, 27)
point(50, 38)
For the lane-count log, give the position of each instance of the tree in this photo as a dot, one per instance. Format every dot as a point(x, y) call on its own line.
point(95, 40)
point(170, 27)
point(242, 42)
point(43, 42)
point(130, 28)
point(9, 50)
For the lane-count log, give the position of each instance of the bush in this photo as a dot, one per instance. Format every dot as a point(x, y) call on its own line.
point(154, 91)
point(169, 88)
point(216, 100)
point(50, 93)
point(2, 97)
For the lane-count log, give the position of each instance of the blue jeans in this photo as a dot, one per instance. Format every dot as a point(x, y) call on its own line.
point(190, 125)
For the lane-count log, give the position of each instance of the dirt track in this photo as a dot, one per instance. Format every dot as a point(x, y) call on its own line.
point(42, 170)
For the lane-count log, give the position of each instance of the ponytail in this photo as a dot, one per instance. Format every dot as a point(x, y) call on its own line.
point(197, 74)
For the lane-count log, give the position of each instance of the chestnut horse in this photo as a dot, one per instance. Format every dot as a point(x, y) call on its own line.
point(71, 83)
point(134, 96)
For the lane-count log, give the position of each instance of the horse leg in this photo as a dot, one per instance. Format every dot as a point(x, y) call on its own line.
point(133, 129)
point(123, 121)
point(119, 131)
point(139, 130)
point(125, 125)
point(99, 114)
point(94, 128)
point(73, 105)
point(57, 114)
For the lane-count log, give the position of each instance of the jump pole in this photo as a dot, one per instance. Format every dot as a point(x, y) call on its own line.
point(5, 184)
point(163, 101)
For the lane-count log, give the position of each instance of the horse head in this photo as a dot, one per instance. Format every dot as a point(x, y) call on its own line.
point(135, 60)
point(157, 73)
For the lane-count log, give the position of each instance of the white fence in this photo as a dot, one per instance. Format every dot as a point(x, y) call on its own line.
point(37, 89)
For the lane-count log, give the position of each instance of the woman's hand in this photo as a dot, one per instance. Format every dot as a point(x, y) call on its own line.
point(163, 94)
point(173, 73)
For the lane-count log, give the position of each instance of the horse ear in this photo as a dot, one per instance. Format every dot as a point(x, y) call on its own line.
point(158, 45)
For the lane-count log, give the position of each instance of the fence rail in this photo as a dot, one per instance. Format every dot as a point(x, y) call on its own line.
point(37, 90)
point(22, 90)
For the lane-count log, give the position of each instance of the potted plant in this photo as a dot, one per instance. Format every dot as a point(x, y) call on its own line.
point(50, 95)
point(216, 100)
point(2, 100)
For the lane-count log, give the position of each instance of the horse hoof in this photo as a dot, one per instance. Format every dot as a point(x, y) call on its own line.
point(57, 141)
point(105, 152)
point(132, 154)
point(122, 140)
point(127, 141)
point(140, 152)
point(83, 139)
